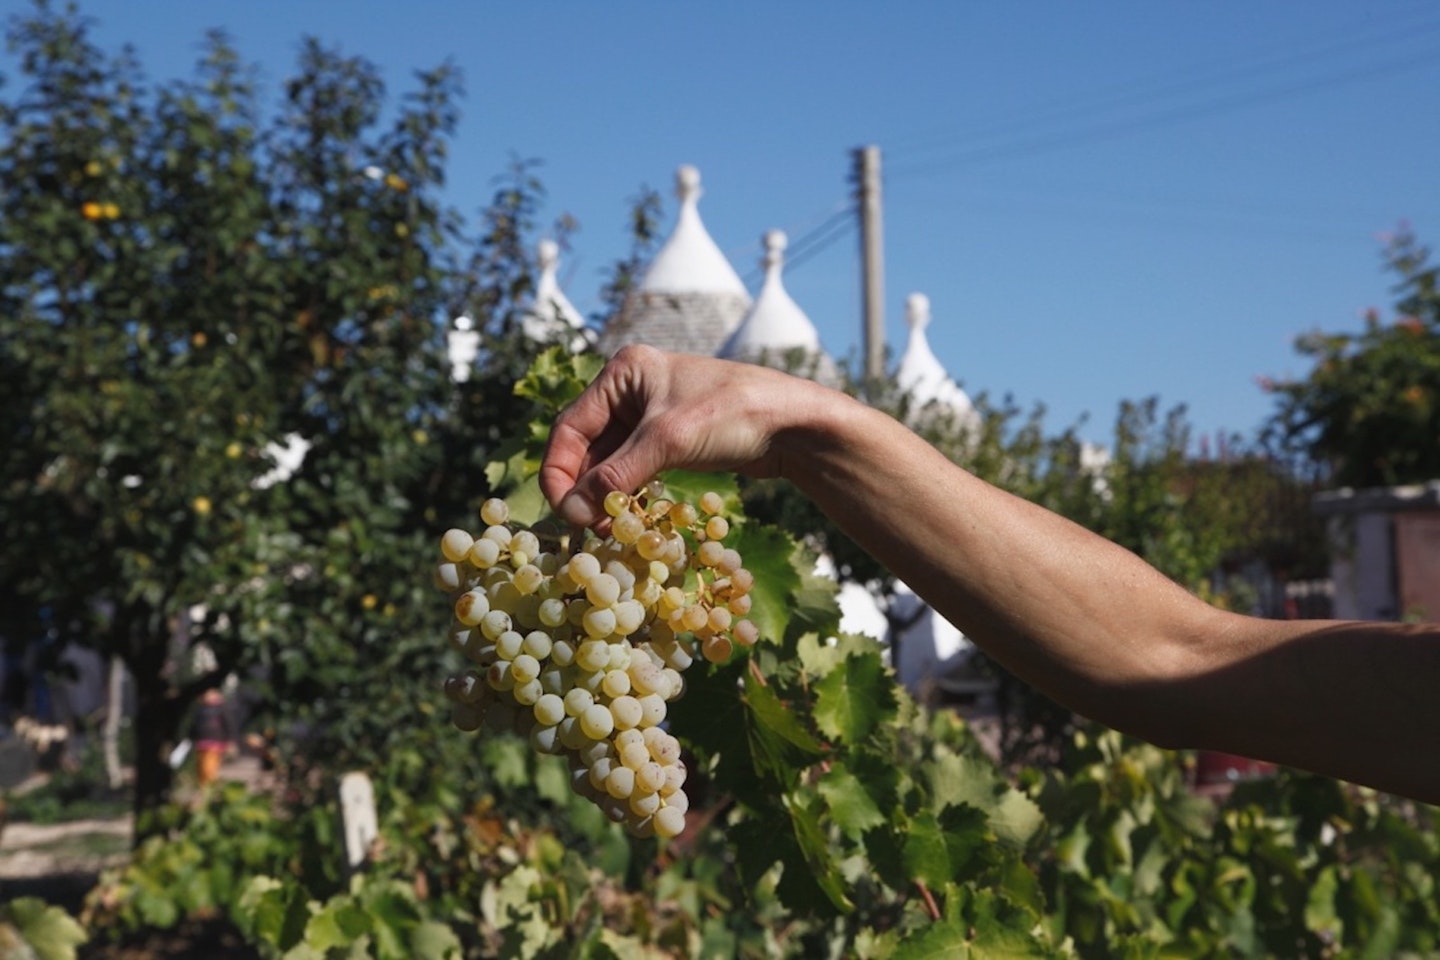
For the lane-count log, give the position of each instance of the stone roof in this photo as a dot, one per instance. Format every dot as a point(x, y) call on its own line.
point(920, 373)
point(690, 298)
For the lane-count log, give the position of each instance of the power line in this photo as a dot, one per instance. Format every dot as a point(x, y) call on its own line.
point(1201, 79)
point(1116, 128)
point(812, 241)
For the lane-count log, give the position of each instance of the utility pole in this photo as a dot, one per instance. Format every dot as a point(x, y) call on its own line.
point(872, 260)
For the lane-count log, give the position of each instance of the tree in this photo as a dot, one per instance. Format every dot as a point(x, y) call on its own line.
point(1369, 410)
point(184, 284)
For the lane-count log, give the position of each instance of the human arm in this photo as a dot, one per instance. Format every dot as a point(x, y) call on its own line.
point(1079, 617)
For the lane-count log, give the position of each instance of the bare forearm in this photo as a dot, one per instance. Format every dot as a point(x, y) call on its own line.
point(1101, 631)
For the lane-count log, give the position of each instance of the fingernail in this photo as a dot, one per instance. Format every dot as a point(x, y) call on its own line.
point(576, 509)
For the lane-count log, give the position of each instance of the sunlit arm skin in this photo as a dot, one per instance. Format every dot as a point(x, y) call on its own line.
point(1077, 616)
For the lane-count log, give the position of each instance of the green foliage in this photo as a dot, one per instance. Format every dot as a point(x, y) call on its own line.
point(831, 816)
point(1370, 406)
point(30, 929)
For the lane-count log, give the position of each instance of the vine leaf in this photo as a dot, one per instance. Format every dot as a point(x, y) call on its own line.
point(813, 846)
point(850, 804)
point(855, 698)
point(958, 779)
point(780, 745)
point(769, 556)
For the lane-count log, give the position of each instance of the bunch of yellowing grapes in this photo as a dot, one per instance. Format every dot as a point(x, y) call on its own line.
point(582, 652)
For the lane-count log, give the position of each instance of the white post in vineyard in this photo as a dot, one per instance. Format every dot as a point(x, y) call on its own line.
point(357, 816)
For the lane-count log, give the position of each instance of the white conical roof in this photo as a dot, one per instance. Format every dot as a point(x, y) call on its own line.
point(690, 262)
point(920, 373)
point(551, 318)
point(690, 299)
point(774, 323)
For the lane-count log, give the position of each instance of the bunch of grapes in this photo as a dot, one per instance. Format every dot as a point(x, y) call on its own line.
point(582, 651)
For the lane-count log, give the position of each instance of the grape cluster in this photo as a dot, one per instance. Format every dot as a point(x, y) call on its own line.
point(582, 651)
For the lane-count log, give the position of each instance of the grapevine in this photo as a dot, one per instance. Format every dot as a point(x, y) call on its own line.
point(580, 647)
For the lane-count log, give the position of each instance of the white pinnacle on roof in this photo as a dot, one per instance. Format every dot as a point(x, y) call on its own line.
point(690, 262)
point(551, 318)
point(920, 373)
point(775, 324)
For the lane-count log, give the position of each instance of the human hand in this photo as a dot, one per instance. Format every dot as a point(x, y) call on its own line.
point(650, 411)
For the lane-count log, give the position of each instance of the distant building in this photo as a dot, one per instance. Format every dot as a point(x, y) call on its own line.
point(690, 299)
point(551, 317)
point(930, 389)
point(775, 331)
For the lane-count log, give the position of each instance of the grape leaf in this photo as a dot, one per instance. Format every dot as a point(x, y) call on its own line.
point(768, 554)
point(958, 779)
point(527, 504)
point(557, 377)
point(926, 856)
point(850, 804)
point(815, 849)
point(814, 607)
point(943, 940)
point(780, 745)
point(758, 845)
point(855, 698)
point(48, 931)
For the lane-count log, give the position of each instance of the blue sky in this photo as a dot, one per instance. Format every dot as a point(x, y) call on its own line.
point(1102, 200)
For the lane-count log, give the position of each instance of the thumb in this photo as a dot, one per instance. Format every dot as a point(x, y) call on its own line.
point(632, 464)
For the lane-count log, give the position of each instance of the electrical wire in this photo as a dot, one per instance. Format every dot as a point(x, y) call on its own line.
point(1116, 128)
point(1199, 80)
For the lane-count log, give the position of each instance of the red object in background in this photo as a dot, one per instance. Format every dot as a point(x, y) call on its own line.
point(1213, 768)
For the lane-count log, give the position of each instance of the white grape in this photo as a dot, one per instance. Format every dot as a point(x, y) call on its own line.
point(577, 701)
point(644, 803)
point(509, 644)
point(582, 567)
point(549, 710)
point(455, 544)
point(602, 590)
point(626, 712)
point(649, 776)
point(466, 716)
point(494, 511)
point(484, 554)
point(448, 577)
point(538, 644)
point(592, 655)
point(471, 608)
point(668, 822)
point(599, 622)
point(494, 623)
point(545, 739)
point(620, 783)
point(652, 710)
point(527, 692)
point(552, 612)
point(597, 721)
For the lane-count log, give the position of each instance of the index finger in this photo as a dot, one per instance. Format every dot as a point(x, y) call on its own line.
point(591, 428)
